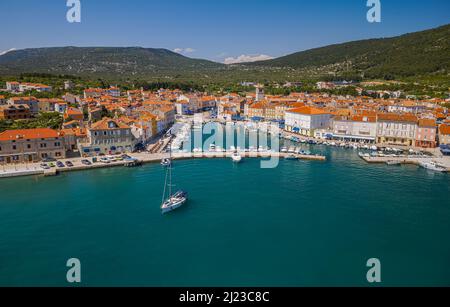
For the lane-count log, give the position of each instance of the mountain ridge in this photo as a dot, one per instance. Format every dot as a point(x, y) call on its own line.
point(420, 53)
point(428, 50)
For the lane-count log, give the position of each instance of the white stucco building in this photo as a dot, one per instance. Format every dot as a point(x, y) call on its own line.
point(306, 120)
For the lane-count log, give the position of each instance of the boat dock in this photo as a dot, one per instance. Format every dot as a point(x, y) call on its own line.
point(35, 169)
point(408, 160)
point(253, 154)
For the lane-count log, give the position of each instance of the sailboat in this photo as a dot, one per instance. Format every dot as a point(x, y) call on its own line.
point(170, 200)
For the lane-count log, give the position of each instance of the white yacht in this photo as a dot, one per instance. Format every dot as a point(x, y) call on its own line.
point(432, 165)
point(236, 157)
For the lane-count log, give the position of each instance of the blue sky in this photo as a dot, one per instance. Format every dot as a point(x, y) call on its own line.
point(212, 29)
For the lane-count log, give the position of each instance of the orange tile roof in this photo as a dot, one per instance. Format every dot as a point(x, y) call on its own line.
point(426, 122)
point(74, 131)
point(40, 133)
point(308, 111)
point(103, 124)
point(258, 105)
point(28, 98)
point(363, 118)
point(444, 129)
point(73, 111)
point(208, 98)
point(397, 117)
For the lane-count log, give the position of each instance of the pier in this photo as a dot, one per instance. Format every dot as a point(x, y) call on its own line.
point(35, 169)
point(251, 154)
point(408, 160)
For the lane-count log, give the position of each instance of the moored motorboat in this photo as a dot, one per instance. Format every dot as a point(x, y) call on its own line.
point(432, 165)
point(166, 162)
point(393, 163)
point(291, 157)
point(236, 157)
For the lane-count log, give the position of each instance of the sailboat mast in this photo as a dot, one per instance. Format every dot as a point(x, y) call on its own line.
point(170, 169)
point(165, 189)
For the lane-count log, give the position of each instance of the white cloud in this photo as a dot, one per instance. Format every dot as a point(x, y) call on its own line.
point(247, 58)
point(184, 50)
point(6, 51)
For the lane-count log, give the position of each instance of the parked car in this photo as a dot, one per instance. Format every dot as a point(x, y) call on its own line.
point(69, 164)
point(105, 160)
point(45, 166)
point(52, 164)
point(86, 162)
point(60, 164)
point(48, 159)
point(111, 158)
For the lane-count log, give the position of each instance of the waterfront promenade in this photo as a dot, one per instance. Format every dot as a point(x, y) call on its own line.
point(31, 169)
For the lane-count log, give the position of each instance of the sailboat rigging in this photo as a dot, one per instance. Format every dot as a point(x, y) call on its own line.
point(170, 200)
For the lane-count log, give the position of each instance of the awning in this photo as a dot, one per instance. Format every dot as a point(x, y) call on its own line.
point(19, 154)
point(296, 129)
point(354, 137)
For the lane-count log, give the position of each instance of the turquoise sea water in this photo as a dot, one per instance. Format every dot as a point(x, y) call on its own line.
point(300, 224)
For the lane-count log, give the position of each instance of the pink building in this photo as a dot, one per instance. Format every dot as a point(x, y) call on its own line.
point(426, 133)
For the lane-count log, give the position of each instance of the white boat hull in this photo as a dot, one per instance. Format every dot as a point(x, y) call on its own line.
point(433, 167)
point(169, 208)
point(236, 159)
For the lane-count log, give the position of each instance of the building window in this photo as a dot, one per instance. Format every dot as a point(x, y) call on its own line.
point(14, 147)
point(57, 154)
point(43, 145)
point(28, 146)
